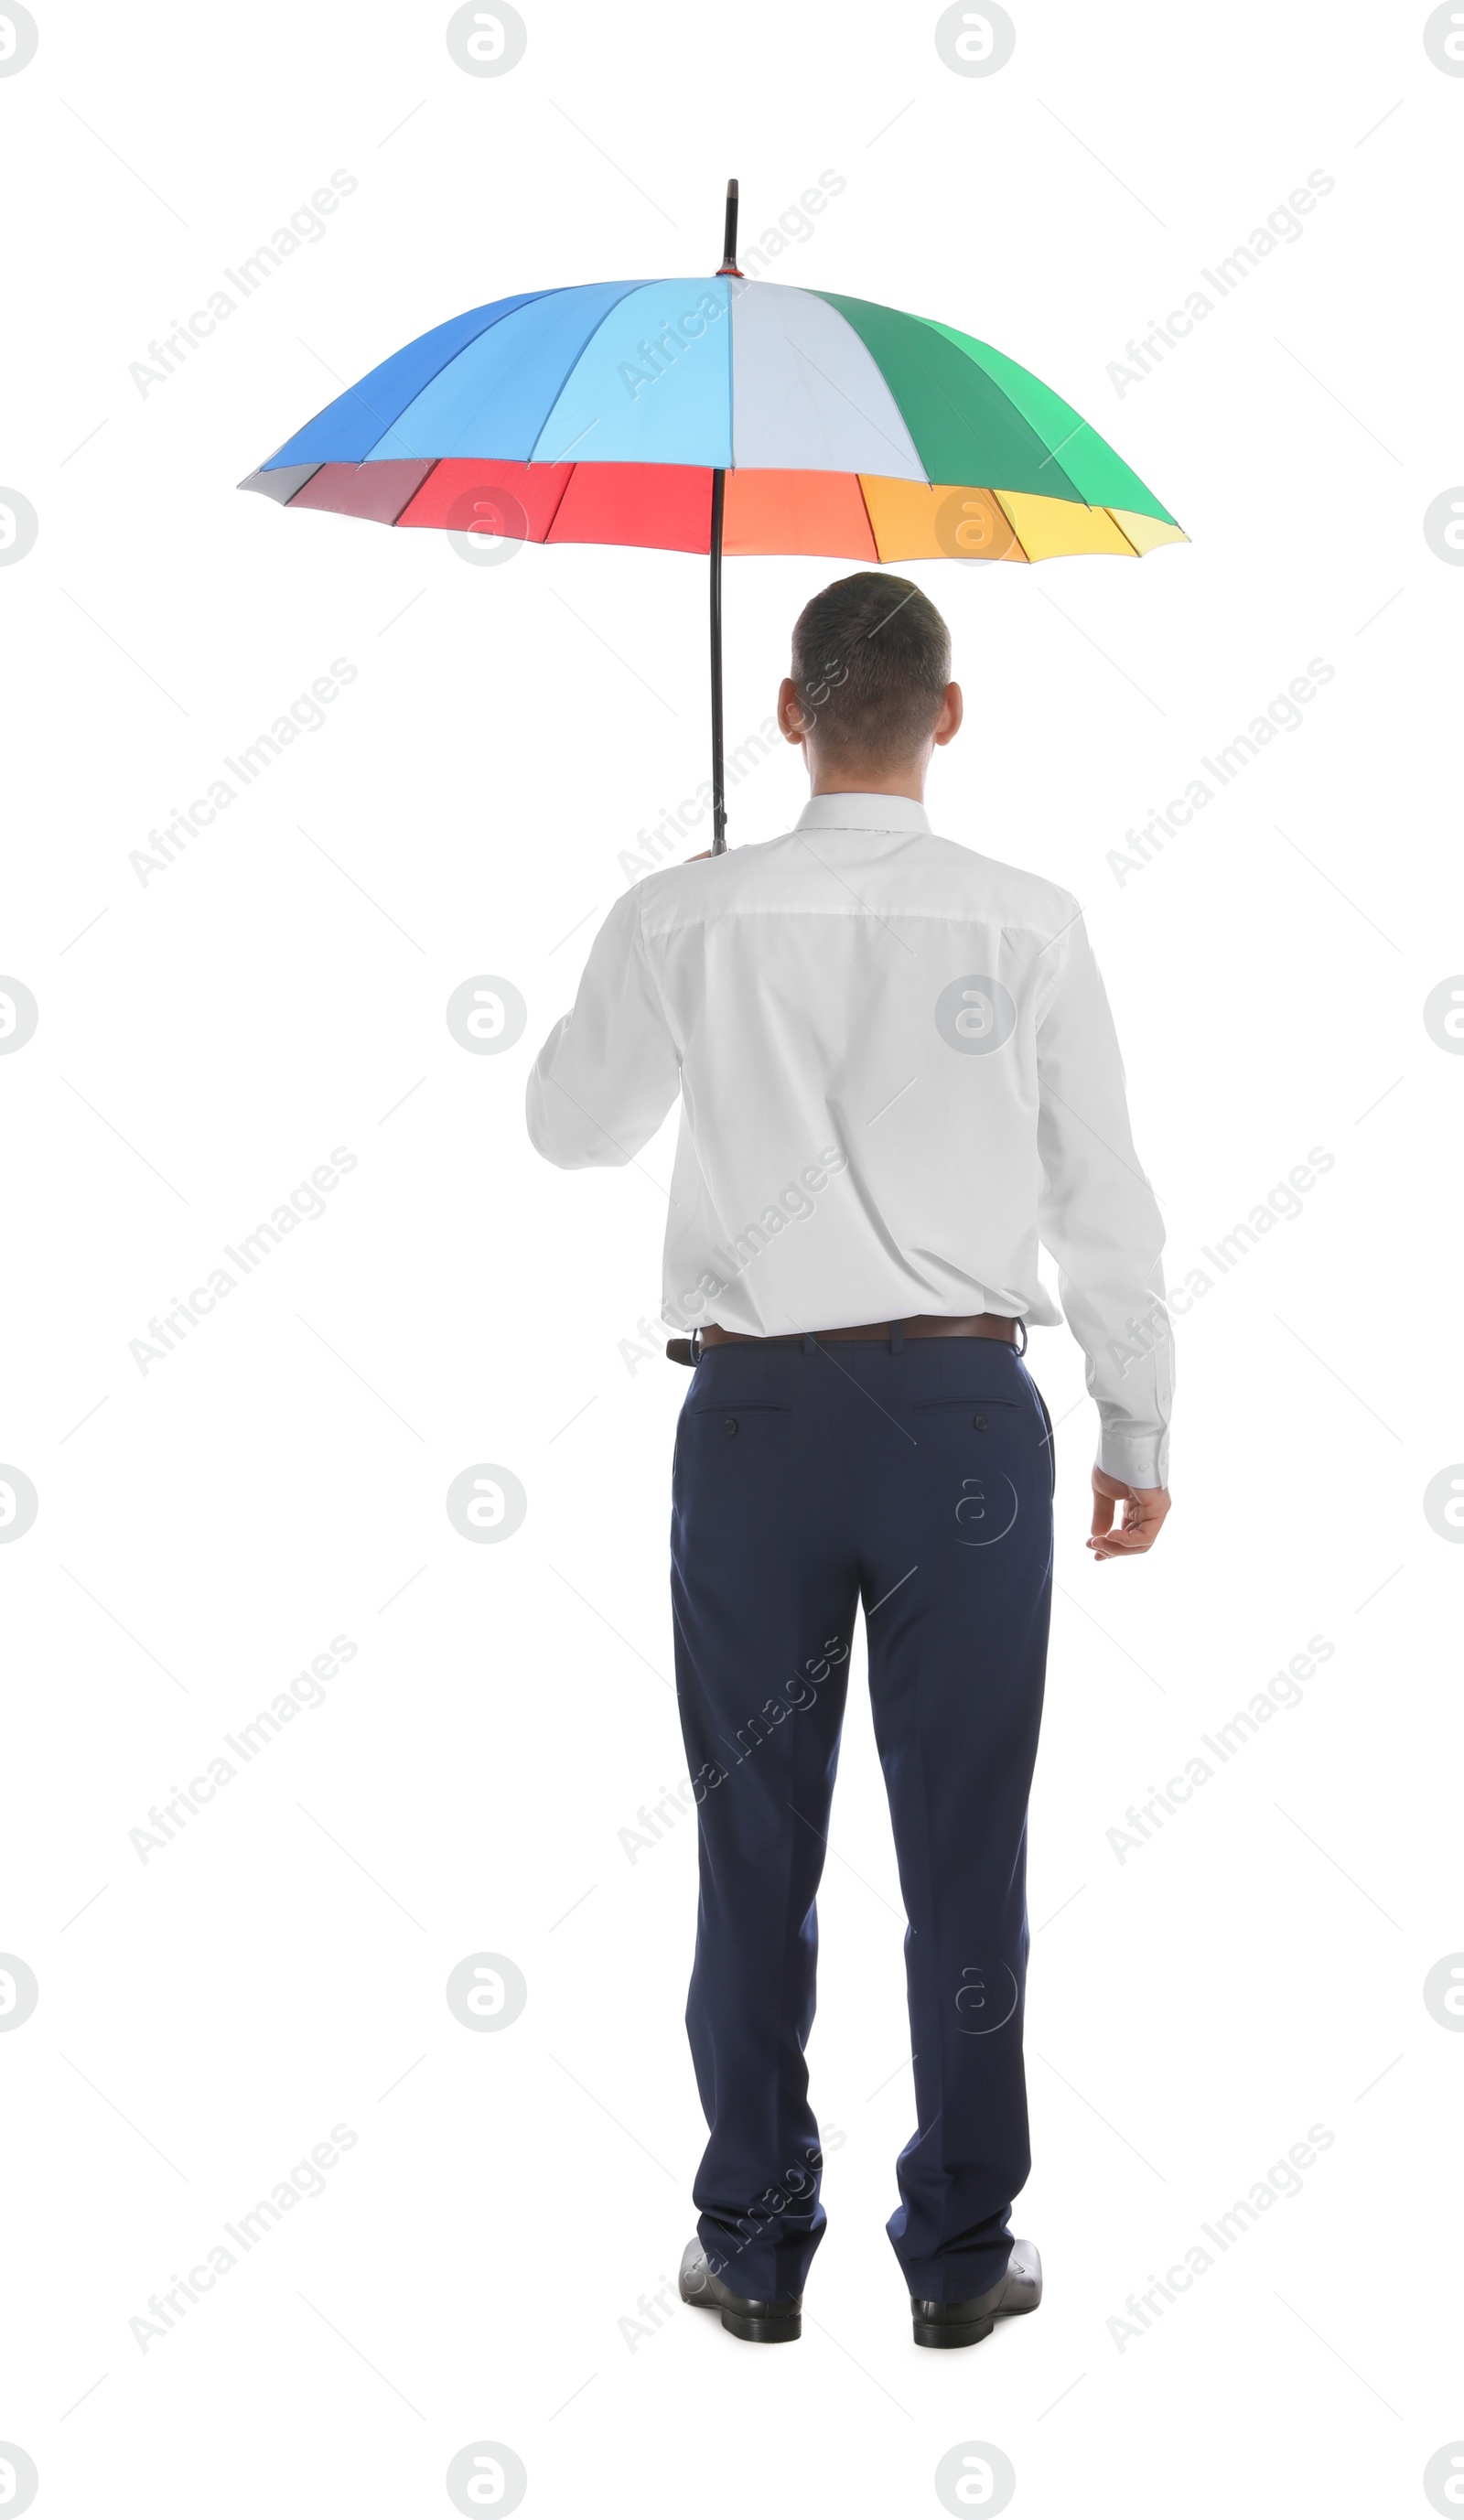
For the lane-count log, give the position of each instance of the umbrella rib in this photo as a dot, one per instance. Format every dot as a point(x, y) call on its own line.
point(730, 465)
point(1078, 499)
point(388, 427)
point(800, 353)
point(460, 353)
point(1053, 452)
point(411, 493)
point(472, 417)
point(570, 470)
point(922, 339)
point(629, 290)
point(1012, 522)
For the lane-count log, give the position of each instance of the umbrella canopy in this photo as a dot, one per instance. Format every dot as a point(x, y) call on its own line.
point(600, 413)
point(719, 413)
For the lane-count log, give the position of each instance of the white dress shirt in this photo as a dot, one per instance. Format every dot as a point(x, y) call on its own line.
point(898, 1072)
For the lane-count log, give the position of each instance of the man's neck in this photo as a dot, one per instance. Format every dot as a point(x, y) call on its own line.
point(906, 781)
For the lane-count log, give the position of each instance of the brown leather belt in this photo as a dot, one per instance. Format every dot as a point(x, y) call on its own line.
point(994, 1325)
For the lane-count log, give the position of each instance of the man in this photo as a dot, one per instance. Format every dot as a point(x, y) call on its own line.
point(897, 1071)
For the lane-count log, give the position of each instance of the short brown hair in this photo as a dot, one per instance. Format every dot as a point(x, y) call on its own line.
point(872, 658)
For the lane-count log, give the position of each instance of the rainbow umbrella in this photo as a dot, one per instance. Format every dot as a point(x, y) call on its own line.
point(718, 415)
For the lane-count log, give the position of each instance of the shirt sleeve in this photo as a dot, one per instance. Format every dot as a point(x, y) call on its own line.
point(609, 1071)
point(1099, 1219)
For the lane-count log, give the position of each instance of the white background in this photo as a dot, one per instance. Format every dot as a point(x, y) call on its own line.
point(206, 1038)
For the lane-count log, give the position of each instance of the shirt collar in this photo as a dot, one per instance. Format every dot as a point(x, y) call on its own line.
point(854, 810)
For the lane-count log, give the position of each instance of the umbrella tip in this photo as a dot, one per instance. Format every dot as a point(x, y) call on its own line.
point(730, 234)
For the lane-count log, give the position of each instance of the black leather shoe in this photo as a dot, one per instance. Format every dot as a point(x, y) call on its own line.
point(965, 2322)
point(756, 2323)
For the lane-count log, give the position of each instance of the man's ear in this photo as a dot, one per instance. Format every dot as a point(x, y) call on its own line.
point(953, 710)
point(790, 714)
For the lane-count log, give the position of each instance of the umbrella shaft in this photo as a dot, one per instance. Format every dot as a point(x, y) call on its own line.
point(719, 809)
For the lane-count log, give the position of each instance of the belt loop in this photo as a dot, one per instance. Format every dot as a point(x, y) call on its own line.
point(809, 1343)
point(897, 1338)
point(1022, 1333)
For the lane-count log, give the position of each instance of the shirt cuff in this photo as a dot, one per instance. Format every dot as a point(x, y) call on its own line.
point(1139, 1460)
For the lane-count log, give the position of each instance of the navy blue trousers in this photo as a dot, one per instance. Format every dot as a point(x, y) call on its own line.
point(916, 1479)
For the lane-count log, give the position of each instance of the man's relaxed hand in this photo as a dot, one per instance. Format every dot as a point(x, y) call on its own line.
point(1144, 1510)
